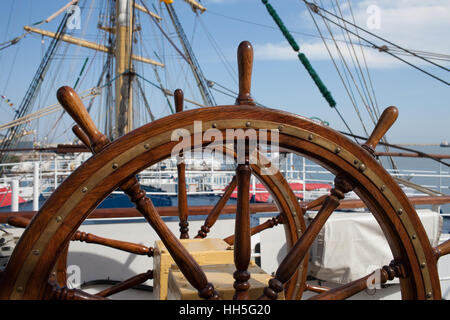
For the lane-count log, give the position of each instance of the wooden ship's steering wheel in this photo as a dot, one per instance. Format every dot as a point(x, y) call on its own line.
point(30, 273)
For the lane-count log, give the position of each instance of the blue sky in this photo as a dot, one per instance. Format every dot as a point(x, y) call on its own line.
point(279, 80)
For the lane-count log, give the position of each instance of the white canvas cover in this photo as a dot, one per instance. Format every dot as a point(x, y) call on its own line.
point(351, 245)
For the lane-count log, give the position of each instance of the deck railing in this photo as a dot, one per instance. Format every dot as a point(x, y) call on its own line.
point(31, 179)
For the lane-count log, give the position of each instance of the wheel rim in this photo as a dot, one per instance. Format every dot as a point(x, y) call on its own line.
point(58, 219)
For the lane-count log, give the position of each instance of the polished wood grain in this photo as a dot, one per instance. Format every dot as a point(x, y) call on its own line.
point(79, 133)
point(380, 276)
point(56, 292)
point(242, 247)
point(228, 209)
point(60, 271)
point(181, 170)
point(217, 209)
point(72, 103)
point(412, 155)
point(257, 229)
point(306, 206)
point(442, 249)
point(178, 97)
point(245, 65)
point(112, 243)
point(18, 221)
point(382, 209)
point(290, 263)
point(315, 288)
point(22, 222)
point(186, 263)
point(385, 121)
point(27, 274)
point(126, 284)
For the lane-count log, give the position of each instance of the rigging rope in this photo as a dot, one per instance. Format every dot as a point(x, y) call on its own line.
point(374, 35)
point(365, 62)
point(345, 68)
point(94, 91)
point(168, 92)
point(316, 9)
point(398, 147)
point(304, 60)
point(365, 98)
point(357, 66)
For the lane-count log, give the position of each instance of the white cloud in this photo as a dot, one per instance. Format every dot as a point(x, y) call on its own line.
point(411, 24)
point(318, 51)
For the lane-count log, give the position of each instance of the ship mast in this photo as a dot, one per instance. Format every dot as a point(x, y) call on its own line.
point(122, 52)
point(124, 70)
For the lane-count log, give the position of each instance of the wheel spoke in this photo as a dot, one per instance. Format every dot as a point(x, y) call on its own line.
point(242, 245)
point(263, 226)
point(18, 221)
point(76, 129)
point(188, 266)
point(215, 212)
point(55, 292)
point(130, 247)
point(182, 201)
point(295, 256)
point(306, 206)
point(71, 102)
point(318, 289)
point(181, 169)
point(126, 284)
point(385, 121)
point(377, 277)
point(116, 244)
point(442, 249)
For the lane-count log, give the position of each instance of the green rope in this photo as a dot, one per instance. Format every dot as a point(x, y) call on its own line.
point(81, 72)
point(281, 25)
point(304, 60)
point(322, 88)
point(38, 23)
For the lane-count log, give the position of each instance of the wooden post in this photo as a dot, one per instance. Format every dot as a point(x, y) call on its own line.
point(181, 169)
point(242, 247)
point(245, 65)
point(386, 120)
point(71, 102)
